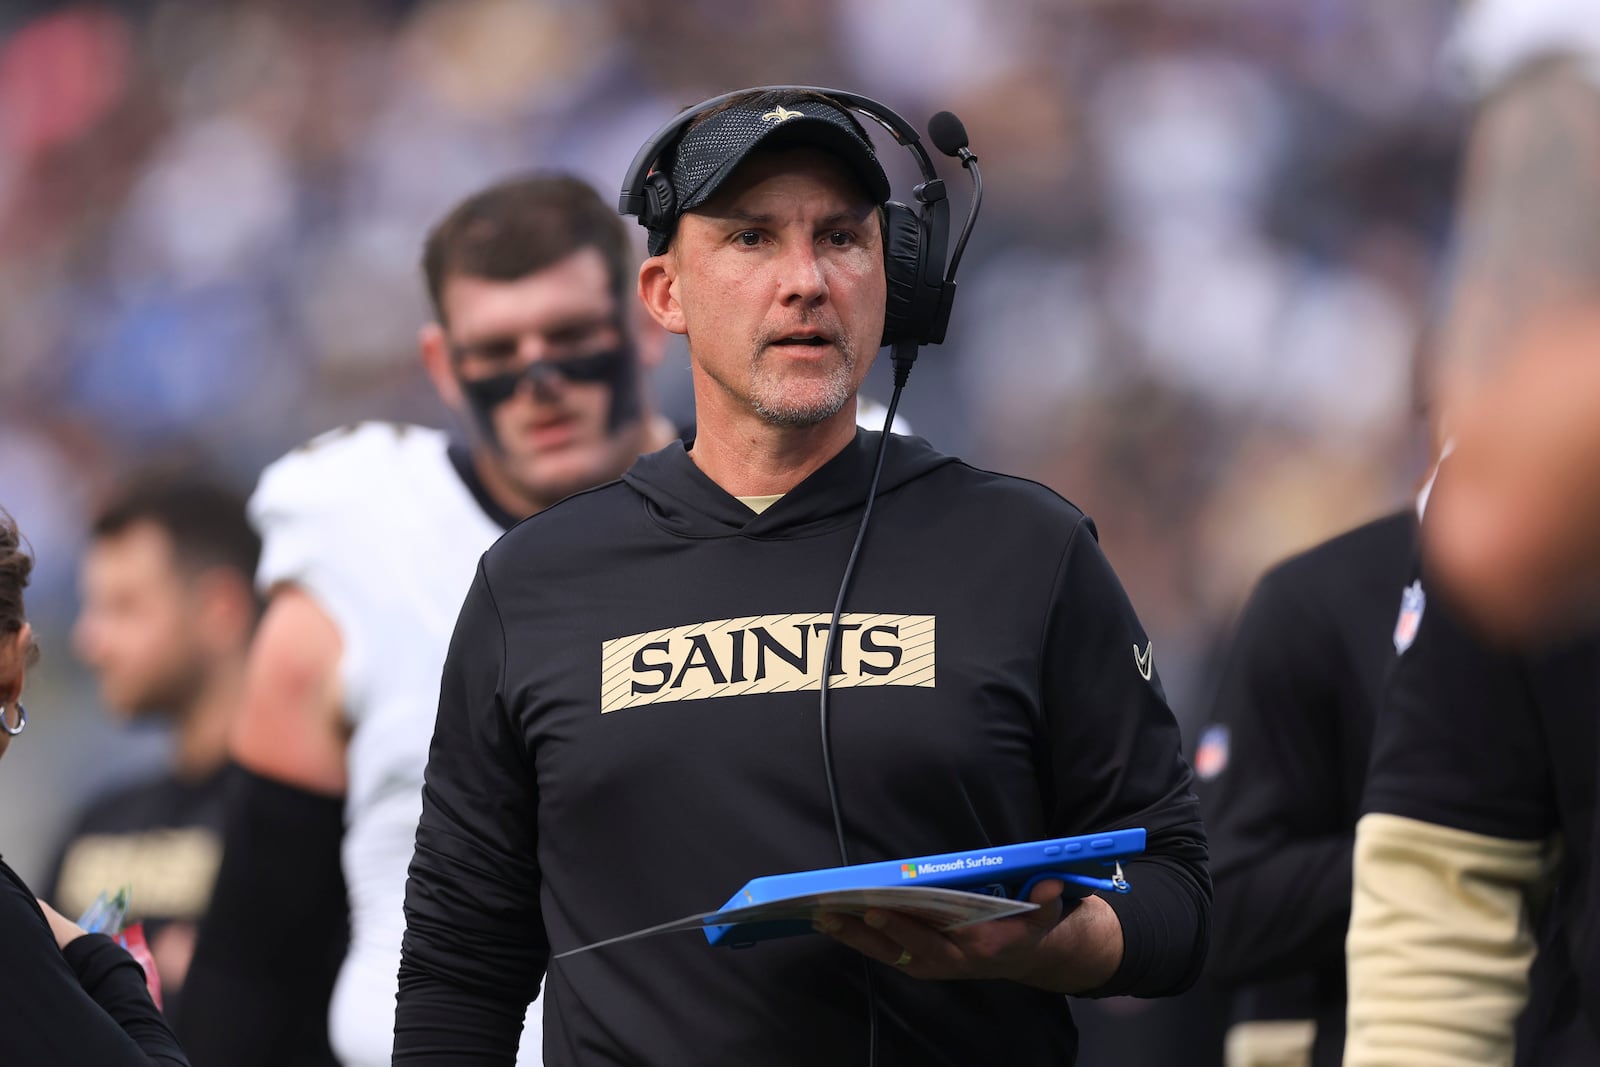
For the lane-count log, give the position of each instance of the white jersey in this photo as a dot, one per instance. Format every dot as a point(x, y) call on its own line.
point(376, 525)
point(1496, 38)
point(870, 413)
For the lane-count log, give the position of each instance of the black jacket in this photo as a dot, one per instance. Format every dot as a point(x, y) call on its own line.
point(1282, 766)
point(86, 1006)
point(628, 731)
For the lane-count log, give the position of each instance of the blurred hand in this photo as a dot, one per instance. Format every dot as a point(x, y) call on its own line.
point(65, 929)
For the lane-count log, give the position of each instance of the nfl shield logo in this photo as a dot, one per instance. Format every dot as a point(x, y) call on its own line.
point(1412, 603)
point(1211, 755)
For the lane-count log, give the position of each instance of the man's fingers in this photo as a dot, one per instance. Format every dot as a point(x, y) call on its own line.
point(926, 945)
point(856, 934)
point(1048, 894)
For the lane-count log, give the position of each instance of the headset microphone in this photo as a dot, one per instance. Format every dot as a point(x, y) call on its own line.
point(950, 137)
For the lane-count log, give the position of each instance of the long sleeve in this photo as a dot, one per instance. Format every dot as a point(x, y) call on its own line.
point(474, 950)
point(1280, 837)
point(85, 1007)
point(274, 933)
point(1440, 944)
point(1116, 761)
point(1451, 854)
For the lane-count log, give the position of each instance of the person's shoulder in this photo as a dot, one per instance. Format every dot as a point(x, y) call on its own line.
point(1018, 496)
point(579, 521)
point(349, 463)
point(336, 459)
point(1383, 546)
point(11, 883)
point(126, 805)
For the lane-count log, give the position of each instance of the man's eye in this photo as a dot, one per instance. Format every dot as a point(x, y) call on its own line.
point(841, 238)
point(495, 351)
point(748, 238)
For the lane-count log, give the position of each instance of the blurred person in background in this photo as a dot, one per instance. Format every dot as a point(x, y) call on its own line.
point(168, 607)
point(1280, 767)
point(370, 537)
point(73, 999)
point(1515, 529)
point(1281, 764)
point(1480, 797)
point(1475, 926)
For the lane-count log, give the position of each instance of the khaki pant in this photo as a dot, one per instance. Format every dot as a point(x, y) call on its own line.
point(1274, 1043)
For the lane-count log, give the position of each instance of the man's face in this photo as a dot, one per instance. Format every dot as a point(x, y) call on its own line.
point(779, 283)
point(140, 628)
point(552, 437)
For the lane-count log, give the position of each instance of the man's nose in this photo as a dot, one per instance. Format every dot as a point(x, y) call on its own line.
point(803, 279)
point(85, 638)
point(540, 381)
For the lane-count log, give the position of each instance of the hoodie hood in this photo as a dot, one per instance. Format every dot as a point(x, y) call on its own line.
point(684, 501)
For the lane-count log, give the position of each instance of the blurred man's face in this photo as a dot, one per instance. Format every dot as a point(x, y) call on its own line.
point(141, 625)
point(552, 435)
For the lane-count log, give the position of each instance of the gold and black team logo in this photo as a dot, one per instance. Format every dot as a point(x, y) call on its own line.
point(781, 114)
point(765, 654)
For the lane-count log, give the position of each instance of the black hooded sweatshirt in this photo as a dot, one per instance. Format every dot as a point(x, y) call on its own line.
point(628, 732)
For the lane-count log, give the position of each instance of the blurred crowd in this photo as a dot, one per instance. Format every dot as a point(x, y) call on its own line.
point(1193, 304)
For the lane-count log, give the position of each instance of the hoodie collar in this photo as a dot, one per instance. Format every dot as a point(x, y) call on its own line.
point(685, 501)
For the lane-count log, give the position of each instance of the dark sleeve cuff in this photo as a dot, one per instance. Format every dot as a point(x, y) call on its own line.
point(1166, 931)
point(96, 959)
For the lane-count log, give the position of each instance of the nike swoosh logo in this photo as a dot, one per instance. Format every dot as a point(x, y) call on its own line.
point(1144, 660)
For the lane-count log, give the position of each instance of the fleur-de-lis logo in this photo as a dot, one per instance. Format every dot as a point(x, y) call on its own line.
point(780, 114)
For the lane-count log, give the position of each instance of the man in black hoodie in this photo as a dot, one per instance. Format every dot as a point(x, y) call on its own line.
point(629, 728)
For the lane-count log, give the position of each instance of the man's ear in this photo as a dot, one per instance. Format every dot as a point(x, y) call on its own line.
point(658, 291)
point(435, 351)
point(225, 607)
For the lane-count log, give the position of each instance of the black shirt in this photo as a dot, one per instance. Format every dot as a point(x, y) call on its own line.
point(628, 731)
point(161, 837)
point(85, 1006)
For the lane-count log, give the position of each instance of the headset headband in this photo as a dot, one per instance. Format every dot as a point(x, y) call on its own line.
point(633, 198)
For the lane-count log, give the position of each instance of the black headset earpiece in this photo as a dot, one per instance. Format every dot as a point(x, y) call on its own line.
point(904, 248)
point(915, 238)
point(660, 203)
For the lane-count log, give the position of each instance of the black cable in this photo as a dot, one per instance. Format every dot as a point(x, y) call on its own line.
point(902, 371)
point(833, 628)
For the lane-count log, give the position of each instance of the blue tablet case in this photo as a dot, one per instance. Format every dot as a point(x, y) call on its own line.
point(1085, 863)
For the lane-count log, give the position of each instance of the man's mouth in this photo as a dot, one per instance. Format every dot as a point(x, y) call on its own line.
point(551, 431)
point(804, 340)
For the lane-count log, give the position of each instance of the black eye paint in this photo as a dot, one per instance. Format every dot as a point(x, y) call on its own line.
point(616, 367)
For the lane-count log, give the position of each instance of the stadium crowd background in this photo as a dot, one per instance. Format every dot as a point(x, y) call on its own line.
point(1210, 245)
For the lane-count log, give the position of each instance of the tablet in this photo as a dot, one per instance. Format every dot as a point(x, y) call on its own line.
point(1085, 863)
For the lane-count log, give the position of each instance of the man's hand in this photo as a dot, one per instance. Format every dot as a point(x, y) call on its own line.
point(1066, 949)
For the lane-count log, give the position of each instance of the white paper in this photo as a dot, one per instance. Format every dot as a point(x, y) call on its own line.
point(944, 909)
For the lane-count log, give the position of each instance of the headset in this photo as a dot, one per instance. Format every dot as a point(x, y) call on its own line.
point(920, 293)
